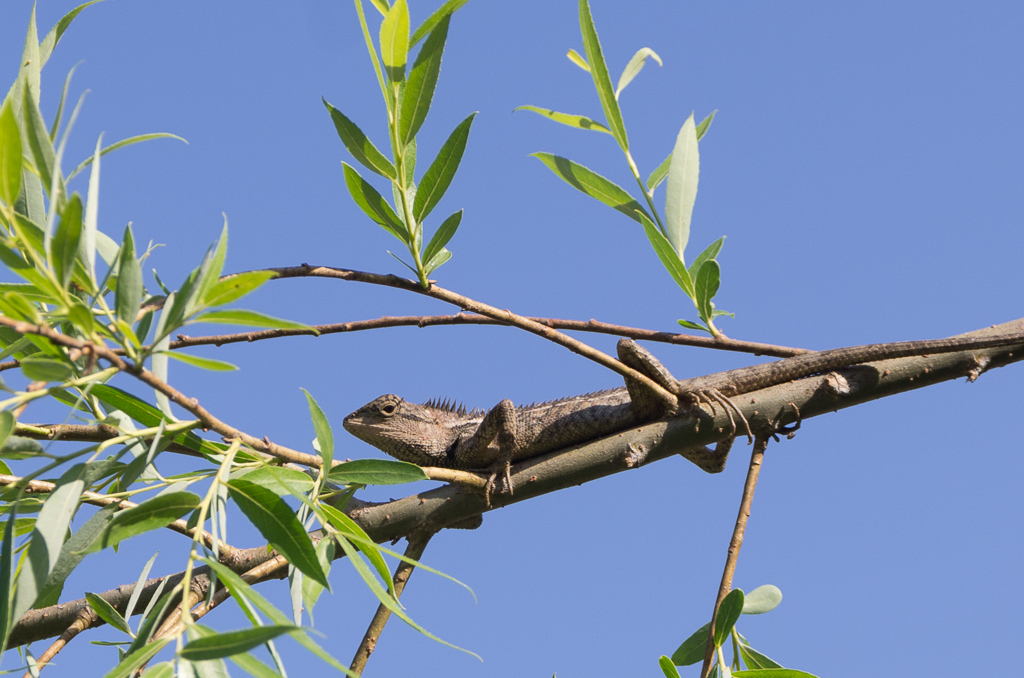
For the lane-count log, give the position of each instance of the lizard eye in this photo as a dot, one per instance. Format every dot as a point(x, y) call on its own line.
point(388, 409)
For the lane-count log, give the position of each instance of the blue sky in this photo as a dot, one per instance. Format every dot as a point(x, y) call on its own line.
point(865, 166)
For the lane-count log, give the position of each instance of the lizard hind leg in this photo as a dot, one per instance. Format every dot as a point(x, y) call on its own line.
point(641, 360)
point(502, 423)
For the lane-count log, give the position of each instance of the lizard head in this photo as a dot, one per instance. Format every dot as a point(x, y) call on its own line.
point(404, 430)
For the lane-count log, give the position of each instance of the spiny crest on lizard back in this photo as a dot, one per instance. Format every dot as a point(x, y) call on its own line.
point(592, 396)
point(446, 405)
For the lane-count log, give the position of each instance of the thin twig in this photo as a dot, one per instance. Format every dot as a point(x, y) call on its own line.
point(417, 543)
point(96, 499)
point(756, 457)
point(504, 316)
point(174, 395)
point(86, 618)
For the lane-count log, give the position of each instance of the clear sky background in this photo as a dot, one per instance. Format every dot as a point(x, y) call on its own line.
point(865, 166)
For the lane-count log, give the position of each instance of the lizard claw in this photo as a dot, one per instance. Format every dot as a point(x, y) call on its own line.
point(491, 488)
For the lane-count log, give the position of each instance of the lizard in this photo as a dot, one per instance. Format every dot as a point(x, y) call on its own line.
point(441, 433)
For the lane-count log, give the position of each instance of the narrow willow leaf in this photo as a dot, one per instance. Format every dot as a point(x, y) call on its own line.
point(702, 128)
point(441, 237)
point(139, 585)
point(66, 241)
point(394, 40)
point(7, 569)
point(322, 427)
point(46, 369)
point(16, 447)
point(7, 423)
point(669, 259)
point(235, 287)
point(710, 252)
point(681, 187)
point(229, 643)
point(92, 209)
point(359, 145)
point(150, 515)
point(376, 472)
point(578, 59)
point(346, 526)
point(599, 73)
point(593, 184)
point(10, 155)
point(137, 658)
point(281, 481)
point(53, 37)
point(209, 271)
point(692, 649)
point(635, 65)
point(728, 612)
point(107, 612)
point(251, 319)
point(756, 660)
point(577, 121)
point(126, 142)
point(706, 287)
point(442, 12)
point(278, 525)
point(762, 599)
point(245, 660)
point(440, 173)
point(71, 555)
point(419, 87)
point(47, 540)
point(129, 281)
point(381, 6)
point(659, 174)
point(161, 670)
point(202, 363)
point(440, 258)
point(409, 167)
point(773, 673)
point(241, 590)
point(667, 667)
point(373, 203)
point(40, 146)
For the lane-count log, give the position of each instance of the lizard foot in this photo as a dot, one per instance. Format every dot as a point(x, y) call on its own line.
point(503, 469)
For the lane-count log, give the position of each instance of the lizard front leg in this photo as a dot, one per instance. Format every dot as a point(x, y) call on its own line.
point(476, 451)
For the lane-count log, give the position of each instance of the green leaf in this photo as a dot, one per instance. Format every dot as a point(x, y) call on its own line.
point(440, 173)
point(53, 37)
point(71, 555)
point(394, 40)
point(129, 281)
point(348, 527)
point(376, 472)
point(16, 447)
point(599, 72)
point(436, 261)
point(667, 667)
point(230, 643)
point(659, 174)
point(237, 316)
point(593, 184)
point(281, 481)
point(151, 514)
point(322, 427)
point(161, 670)
point(241, 590)
point(692, 649)
point(441, 237)
point(635, 65)
point(681, 186)
point(373, 203)
point(65, 243)
point(7, 423)
point(690, 325)
point(245, 660)
point(755, 660)
point(137, 658)
point(40, 146)
point(10, 155)
point(7, 570)
point(706, 287)
point(710, 252)
point(702, 128)
point(126, 142)
point(278, 525)
point(359, 145)
point(92, 208)
point(762, 599)
point(728, 612)
point(442, 12)
point(107, 612)
point(577, 121)
point(202, 363)
point(419, 88)
point(578, 59)
point(209, 272)
point(235, 287)
point(46, 369)
point(669, 259)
